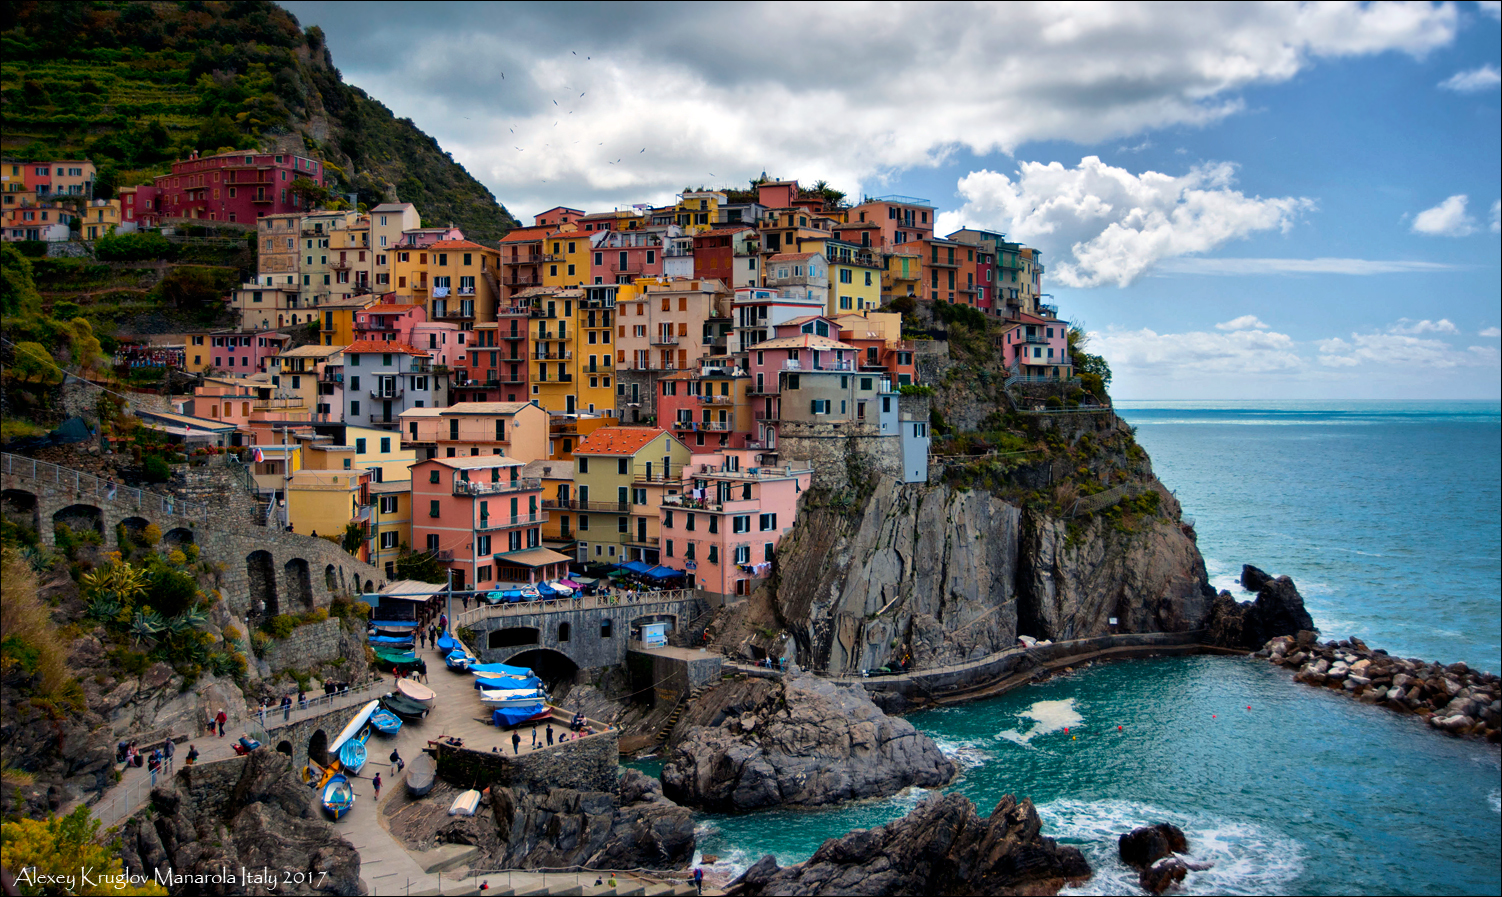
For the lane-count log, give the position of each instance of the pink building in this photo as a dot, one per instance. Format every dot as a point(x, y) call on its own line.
point(234, 186)
point(389, 322)
point(233, 352)
point(622, 256)
point(444, 341)
point(1037, 347)
point(723, 529)
point(483, 521)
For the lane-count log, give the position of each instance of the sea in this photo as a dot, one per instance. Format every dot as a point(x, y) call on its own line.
point(1386, 515)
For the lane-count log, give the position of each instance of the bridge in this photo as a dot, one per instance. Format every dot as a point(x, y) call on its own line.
point(561, 636)
point(267, 571)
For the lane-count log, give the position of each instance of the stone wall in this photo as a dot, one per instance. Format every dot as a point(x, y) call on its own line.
point(585, 646)
point(589, 764)
point(298, 736)
point(831, 446)
point(215, 484)
point(317, 643)
point(683, 674)
point(646, 383)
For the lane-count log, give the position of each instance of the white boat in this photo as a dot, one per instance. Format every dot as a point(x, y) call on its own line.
point(416, 691)
point(465, 804)
point(354, 727)
point(511, 695)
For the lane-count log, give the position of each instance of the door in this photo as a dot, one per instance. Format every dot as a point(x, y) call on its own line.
point(386, 411)
point(569, 402)
point(641, 529)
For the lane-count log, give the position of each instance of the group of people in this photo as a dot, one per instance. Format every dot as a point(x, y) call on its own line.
point(158, 759)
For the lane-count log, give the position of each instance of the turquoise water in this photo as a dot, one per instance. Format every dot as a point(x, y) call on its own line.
point(1387, 517)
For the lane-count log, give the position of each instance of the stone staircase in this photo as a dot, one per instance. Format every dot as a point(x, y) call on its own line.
point(683, 700)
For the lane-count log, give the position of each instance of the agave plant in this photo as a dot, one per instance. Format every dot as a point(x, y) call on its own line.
point(146, 625)
point(187, 621)
point(103, 608)
point(39, 558)
point(120, 581)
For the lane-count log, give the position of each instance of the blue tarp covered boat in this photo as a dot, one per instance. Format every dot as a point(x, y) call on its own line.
point(338, 796)
point(404, 641)
point(460, 660)
point(512, 714)
point(352, 752)
point(394, 624)
point(511, 596)
point(446, 642)
point(493, 681)
point(386, 722)
point(502, 669)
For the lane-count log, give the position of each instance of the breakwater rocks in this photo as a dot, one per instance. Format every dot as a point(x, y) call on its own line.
point(1454, 698)
point(941, 847)
point(1277, 610)
point(249, 812)
point(748, 744)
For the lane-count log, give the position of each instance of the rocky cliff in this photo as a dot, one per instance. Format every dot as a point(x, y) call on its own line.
point(941, 847)
point(795, 741)
point(949, 572)
point(248, 812)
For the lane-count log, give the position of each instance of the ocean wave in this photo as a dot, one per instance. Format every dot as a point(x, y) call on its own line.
point(1047, 716)
point(1247, 858)
point(1495, 799)
point(968, 754)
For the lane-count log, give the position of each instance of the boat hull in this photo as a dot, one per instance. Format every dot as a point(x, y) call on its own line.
point(506, 716)
point(386, 722)
point(421, 775)
point(338, 796)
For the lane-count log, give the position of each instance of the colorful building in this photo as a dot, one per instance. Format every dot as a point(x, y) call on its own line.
point(496, 369)
point(315, 375)
point(235, 353)
point(100, 218)
point(901, 219)
point(517, 430)
point(621, 475)
point(237, 186)
point(384, 379)
point(1037, 347)
point(708, 409)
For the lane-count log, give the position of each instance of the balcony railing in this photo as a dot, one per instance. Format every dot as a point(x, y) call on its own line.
point(815, 368)
point(564, 355)
point(635, 365)
point(532, 258)
point(545, 312)
point(513, 280)
point(542, 377)
point(494, 523)
point(379, 393)
point(663, 339)
point(513, 310)
point(614, 507)
point(476, 487)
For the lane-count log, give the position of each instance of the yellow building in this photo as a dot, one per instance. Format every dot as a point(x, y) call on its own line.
point(336, 318)
point(594, 326)
point(698, 211)
point(565, 257)
point(620, 477)
point(902, 274)
point(553, 365)
point(325, 502)
point(311, 374)
point(557, 478)
point(390, 523)
point(854, 275)
point(100, 218)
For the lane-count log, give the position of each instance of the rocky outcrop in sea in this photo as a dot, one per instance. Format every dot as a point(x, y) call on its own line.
point(1452, 698)
point(795, 741)
point(941, 847)
point(1277, 610)
point(248, 812)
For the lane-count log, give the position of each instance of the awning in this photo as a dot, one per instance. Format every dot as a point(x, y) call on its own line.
point(663, 573)
point(636, 567)
point(533, 557)
point(410, 590)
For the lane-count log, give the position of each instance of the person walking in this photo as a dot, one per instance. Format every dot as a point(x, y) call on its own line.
point(220, 720)
point(377, 783)
point(534, 735)
point(302, 700)
point(516, 743)
point(422, 638)
point(550, 734)
point(396, 762)
point(192, 755)
point(699, 880)
point(286, 708)
point(261, 713)
point(154, 763)
point(168, 751)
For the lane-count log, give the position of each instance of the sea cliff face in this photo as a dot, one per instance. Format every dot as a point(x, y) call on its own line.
point(943, 574)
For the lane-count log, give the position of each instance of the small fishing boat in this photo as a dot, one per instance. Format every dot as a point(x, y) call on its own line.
point(416, 691)
point(446, 642)
point(460, 660)
point(356, 723)
point(511, 695)
point(352, 753)
point(404, 707)
point(504, 669)
point(494, 681)
point(465, 803)
point(394, 625)
point(386, 722)
point(338, 796)
point(512, 596)
point(514, 714)
point(421, 775)
point(392, 656)
point(399, 641)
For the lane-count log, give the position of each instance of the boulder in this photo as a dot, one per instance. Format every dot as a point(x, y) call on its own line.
point(941, 847)
point(1141, 847)
point(1162, 875)
point(1277, 611)
point(797, 741)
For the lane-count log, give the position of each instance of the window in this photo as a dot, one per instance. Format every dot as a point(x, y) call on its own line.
point(743, 554)
point(669, 547)
point(482, 545)
point(433, 508)
point(688, 522)
point(714, 523)
point(622, 524)
point(583, 464)
point(388, 539)
point(360, 446)
point(388, 504)
point(385, 444)
point(622, 466)
point(606, 629)
point(768, 522)
point(741, 523)
point(583, 521)
point(714, 554)
point(354, 409)
point(432, 474)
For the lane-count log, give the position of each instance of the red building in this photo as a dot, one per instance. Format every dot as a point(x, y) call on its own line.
point(714, 253)
point(237, 186)
point(498, 360)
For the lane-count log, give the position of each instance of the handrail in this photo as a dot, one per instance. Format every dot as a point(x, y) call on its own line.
point(602, 601)
point(88, 484)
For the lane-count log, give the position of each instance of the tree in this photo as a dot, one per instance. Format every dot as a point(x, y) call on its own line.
point(69, 842)
point(1093, 370)
point(34, 364)
point(422, 567)
point(354, 537)
point(18, 289)
point(311, 194)
point(193, 289)
point(86, 348)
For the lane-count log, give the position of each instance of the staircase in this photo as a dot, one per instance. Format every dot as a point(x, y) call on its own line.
point(683, 699)
point(691, 634)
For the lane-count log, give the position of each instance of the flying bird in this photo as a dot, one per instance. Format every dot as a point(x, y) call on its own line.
point(518, 149)
point(643, 149)
point(503, 76)
point(582, 94)
point(575, 52)
point(555, 102)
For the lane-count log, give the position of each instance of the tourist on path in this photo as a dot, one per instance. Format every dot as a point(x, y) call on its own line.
point(192, 755)
point(396, 761)
point(168, 750)
point(302, 700)
point(286, 708)
point(516, 743)
point(534, 735)
point(377, 783)
point(221, 719)
point(422, 638)
point(261, 713)
point(550, 734)
point(699, 879)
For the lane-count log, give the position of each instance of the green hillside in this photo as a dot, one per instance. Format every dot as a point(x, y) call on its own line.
point(135, 85)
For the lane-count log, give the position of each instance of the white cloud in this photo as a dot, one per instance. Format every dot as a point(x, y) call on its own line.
point(1404, 325)
point(1398, 349)
point(732, 89)
point(1264, 266)
point(1492, 8)
point(1104, 224)
point(1245, 322)
point(1448, 219)
point(1181, 355)
point(1492, 332)
point(1487, 77)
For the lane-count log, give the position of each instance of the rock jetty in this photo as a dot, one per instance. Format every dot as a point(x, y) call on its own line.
point(248, 812)
point(941, 847)
point(796, 741)
point(1454, 698)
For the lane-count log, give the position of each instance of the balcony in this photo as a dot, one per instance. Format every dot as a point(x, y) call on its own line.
point(420, 367)
point(1035, 338)
point(802, 368)
point(543, 379)
point(516, 280)
point(541, 312)
point(527, 258)
point(645, 542)
point(443, 555)
point(716, 400)
point(475, 487)
point(555, 355)
point(512, 311)
point(379, 393)
point(613, 507)
point(676, 253)
point(513, 378)
point(714, 426)
point(340, 265)
point(376, 325)
point(486, 524)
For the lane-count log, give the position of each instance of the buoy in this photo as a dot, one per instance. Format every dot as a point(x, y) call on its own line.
point(1249, 706)
point(1118, 728)
point(1212, 716)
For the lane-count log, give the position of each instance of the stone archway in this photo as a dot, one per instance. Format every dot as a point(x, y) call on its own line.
point(178, 537)
point(330, 582)
point(20, 507)
point(298, 583)
point(369, 587)
point(260, 570)
point(564, 631)
point(513, 637)
point(134, 529)
point(318, 748)
point(284, 747)
point(79, 518)
point(552, 667)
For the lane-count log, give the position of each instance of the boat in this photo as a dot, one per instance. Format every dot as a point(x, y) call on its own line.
point(352, 753)
point(338, 796)
point(511, 695)
point(447, 642)
point(460, 660)
point(386, 722)
point(421, 774)
point(512, 596)
point(513, 714)
point(401, 641)
point(388, 655)
point(501, 668)
point(404, 707)
point(465, 803)
point(416, 691)
point(361, 717)
point(493, 682)
point(393, 624)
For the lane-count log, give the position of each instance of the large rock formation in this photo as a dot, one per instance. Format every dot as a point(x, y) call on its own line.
point(1277, 610)
point(248, 812)
point(947, 575)
point(797, 741)
point(941, 847)
point(636, 827)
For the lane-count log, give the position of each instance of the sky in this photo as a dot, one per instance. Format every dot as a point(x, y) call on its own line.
point(1236, 201)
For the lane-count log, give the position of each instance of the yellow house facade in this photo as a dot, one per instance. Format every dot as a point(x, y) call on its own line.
point(565, 257)
point(390, 523)
point(620, 476)
point(100, 218)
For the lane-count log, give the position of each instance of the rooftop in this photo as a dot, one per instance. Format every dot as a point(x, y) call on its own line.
point(312, 351)
point(804, 341)
point(462, 408)
point(906, 200)
point(553, 470)
point(371, 347)
point(617, 440)
point(475, 461)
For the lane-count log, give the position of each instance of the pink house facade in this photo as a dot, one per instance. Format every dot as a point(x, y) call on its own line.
point(1037, 348)
point(724, 528)
point(238, 354)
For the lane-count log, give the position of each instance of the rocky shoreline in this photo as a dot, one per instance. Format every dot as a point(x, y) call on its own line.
point(1453, 698)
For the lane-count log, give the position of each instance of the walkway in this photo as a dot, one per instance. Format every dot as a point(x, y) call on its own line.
point(604, 601)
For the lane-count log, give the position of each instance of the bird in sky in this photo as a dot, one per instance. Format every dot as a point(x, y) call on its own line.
point(582, 94)
point(643, 149)
point(575, 52)
point(555, 102)
point(503, 76)
point(518, 149)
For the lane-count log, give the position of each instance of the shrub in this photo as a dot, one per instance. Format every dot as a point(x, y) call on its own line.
point(156, 470)
point(152, 534)
point(134, 247)
point(176, 558)
point(280, 626)
point(258, 642)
